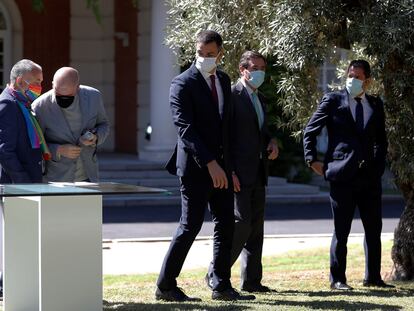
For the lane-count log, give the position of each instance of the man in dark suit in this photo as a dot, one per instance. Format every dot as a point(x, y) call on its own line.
point(20, 144)
point(200, 103)
point(251, 148)
point(354, 163)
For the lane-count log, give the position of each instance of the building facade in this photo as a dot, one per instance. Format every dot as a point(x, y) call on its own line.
point(123, 56)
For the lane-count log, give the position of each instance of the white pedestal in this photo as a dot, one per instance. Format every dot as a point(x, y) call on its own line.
point(52, 253)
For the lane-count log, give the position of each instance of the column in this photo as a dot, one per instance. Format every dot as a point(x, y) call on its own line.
point(162, 70)
point(92, 48)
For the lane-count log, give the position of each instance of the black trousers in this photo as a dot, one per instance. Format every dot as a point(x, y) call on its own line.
point(364, 193)
point(196, 194)
point(249, 207)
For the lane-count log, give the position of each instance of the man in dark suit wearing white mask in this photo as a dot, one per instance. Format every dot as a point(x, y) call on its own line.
point(354, 163)
point(200, 105)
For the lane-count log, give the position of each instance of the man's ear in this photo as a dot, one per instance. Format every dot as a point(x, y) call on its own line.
point(220, 55)
point(19, 82)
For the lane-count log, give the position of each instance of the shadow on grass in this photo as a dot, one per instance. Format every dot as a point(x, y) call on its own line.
point(395, 292)
point(333, 305)
point(132, 306)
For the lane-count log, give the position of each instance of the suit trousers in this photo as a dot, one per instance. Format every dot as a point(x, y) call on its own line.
point(365, 193)
point(249, 207)
point(196, 194)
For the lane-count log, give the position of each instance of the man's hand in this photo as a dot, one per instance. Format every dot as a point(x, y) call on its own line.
point(217, 175)
point(317, 167)
point(236, 182)
point(69, 151)
point(90, 142)
point(273, 150)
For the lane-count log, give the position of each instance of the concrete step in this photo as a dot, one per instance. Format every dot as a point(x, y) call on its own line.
point(134, 174)
point(296, 192)
point(273, 181)
point(128, 166)
point(280, 186)
point(295, 189)
point(161, 176)
point(175, 200)
point(128, 169)
point(126, 162)
point(148, 182)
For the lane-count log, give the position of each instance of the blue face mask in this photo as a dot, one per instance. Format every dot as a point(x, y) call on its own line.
point(354, 86)
point(256, 78)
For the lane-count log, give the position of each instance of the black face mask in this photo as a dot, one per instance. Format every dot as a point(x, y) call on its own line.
point(64, 101)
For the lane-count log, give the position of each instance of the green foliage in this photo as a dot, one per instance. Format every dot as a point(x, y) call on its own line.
point(290, 162)
point(38, 5)
point(94, 5)
point(240, 22)
point(300, 35)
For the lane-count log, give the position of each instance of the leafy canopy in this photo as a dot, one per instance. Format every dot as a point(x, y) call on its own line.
point(300, 35)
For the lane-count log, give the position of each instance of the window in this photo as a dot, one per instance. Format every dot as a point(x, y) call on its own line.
point(328, 69)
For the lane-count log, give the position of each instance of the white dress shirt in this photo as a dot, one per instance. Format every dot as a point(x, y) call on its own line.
point(365, 105)
point(219, 89)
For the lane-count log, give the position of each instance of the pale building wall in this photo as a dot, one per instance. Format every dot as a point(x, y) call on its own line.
point(92, 53)
point(162, 70)
point(144, 59)
point(14, 20)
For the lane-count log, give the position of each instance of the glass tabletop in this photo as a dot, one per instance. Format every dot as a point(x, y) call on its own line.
point(77, 188)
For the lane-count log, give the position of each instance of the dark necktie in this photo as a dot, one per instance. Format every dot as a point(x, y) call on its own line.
point(359, 114)
point(214, 90)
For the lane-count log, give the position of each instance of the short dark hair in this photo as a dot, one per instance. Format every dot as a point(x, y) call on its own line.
point(208, 36)
point(247, 56)
point(360, 63)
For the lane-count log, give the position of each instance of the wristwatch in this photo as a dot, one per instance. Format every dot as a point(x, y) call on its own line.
point(309, 163)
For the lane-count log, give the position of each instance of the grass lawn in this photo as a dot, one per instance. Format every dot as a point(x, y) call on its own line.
point(300, 279)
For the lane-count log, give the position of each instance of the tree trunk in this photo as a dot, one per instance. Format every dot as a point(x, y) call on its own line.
point(400, 124)
point(402, 252)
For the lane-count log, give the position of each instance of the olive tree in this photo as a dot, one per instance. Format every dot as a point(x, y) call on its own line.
point(301, 35)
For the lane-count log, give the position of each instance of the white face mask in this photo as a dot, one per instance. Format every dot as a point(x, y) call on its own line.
point(354, 86)
point(206, 64)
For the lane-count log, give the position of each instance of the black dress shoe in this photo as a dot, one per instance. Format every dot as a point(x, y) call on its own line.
point(341, 286)
point(257, 289)
point(230, 295)
point(175, 294)
point(209, 281)
point(379, 283)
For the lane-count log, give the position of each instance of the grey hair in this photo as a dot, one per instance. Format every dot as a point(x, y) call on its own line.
point(21, 67)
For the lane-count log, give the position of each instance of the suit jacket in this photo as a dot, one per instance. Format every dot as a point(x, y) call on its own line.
point(248, 141)
point(203, 135)
point(19, 162)
point(348, 149)
point(57, 132)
